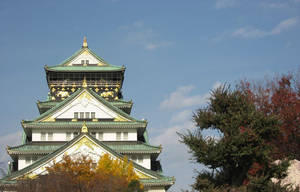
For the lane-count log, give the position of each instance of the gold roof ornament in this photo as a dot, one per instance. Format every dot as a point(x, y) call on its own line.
point(84, 84)
point(84, 44)
point(84, 128)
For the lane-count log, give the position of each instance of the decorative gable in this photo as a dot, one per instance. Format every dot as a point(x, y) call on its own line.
point(85, 106)
point(85, 58)
point(82, 146)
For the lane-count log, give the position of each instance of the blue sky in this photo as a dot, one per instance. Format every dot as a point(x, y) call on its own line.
point(175, 53)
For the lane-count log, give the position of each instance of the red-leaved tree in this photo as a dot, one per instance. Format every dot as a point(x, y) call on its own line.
point(280, 96)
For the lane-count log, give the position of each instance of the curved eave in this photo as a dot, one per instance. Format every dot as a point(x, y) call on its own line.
point(44, 152)
point(108, 68)
point(91, 125)
point(164, 182)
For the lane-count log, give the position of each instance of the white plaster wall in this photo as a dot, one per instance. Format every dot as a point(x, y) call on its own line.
point(58, 135)
point(21, 163)
point(108, 135)
point(146, 160)
point(92, 59)
point(85, 102)
point(156, 189)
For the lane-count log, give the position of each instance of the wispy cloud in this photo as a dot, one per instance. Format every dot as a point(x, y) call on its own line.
point(251, 32)
point(220, 4)
point(11, 139)
point(273, 5)
point(139, 34)
point(181, 98)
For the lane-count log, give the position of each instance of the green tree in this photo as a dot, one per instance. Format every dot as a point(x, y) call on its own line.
point(240, 158)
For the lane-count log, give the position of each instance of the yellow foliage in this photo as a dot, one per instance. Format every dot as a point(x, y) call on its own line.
point(110, 172)
point(117, 167)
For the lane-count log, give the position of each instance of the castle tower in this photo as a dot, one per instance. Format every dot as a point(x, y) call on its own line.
point(85, 114)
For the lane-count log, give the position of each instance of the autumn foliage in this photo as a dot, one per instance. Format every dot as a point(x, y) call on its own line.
point(82, 174)
point(280, 96)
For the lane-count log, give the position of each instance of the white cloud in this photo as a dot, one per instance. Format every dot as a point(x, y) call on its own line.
point(153, 46)
point(284, 25)
point(182, 116)
point(138, 34)
point(180, 98)
point(273, 5)
point(11, 139)
point(250, 32)
point(220, 4)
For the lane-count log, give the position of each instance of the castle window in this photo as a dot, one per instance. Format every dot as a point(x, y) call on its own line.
point(118, 136)
point(93, 115)
point(140, 159)
point(100, 136)
point(27, 160)
point(93, 134)
point(43, 136)
point(81, 115)
point(82, 62)
point(134, 158)
point(87, 115)
point(75, 134)
point(75, 115)
point(125, 135)
point(68, 136)
point(87, 62)
point(50, 136)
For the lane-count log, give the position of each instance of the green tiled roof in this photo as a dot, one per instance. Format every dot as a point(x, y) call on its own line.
point(63, 67)
point(49, 147)
point(90, 124)
point(68, 99)
point(84, 68)
point(160, 179)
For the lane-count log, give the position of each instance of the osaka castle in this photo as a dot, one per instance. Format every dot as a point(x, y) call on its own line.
point(85, 114)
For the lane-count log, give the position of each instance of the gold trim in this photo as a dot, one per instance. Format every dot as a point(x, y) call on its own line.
point(84, 128)
point(84, 44)
point(84, 84)
point(120, 119)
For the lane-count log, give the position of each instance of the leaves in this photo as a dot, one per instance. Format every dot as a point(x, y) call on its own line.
point(243, 151)
point(82, 174)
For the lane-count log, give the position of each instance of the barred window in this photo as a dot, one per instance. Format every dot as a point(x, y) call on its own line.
point(118, 136)
point(68, 136)
point(81, 115)
point(140, 159)
point(100, 136)
point(50, 136)
point(43, 136)
point(93, 115)
point(125, 135)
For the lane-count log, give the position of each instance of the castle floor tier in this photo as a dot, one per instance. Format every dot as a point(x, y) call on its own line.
point(85, 92)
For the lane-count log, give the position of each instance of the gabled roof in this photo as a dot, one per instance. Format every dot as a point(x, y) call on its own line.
point(154, 177)
point(63, 67)
point(46, 105)
point(77, 93)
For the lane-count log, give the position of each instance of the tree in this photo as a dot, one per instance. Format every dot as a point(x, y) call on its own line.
point(280, 96)
point(240, 159)
point(82, 174)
